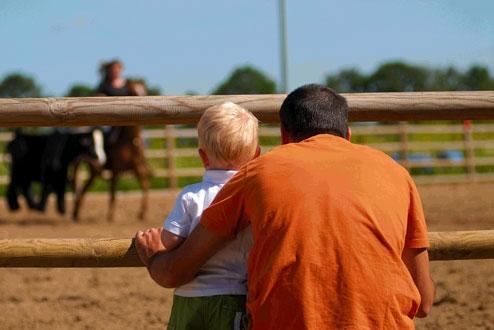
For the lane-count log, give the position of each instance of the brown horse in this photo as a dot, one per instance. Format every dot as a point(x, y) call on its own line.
point(124, 152)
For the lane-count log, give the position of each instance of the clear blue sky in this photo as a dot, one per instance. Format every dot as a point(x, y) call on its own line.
point(193, 45)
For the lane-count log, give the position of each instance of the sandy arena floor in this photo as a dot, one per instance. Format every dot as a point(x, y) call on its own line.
point(127, 298)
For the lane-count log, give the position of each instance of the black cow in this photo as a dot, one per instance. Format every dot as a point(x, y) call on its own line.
point(45, 159)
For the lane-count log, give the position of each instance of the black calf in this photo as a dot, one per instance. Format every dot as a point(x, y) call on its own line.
point(45, 159)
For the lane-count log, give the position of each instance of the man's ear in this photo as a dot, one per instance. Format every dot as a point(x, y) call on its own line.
point(204, 158)
point(285, 136)
point(348, 133)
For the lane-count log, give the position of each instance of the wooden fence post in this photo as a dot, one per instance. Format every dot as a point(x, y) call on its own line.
point(170, 156)
point(404, 144)
point(469, 148)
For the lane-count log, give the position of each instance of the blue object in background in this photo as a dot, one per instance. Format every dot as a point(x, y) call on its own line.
point(454, 156)
point(417, 157)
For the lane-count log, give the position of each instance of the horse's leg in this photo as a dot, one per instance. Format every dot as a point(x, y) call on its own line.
point(111, 205)
point(79, 193)
point(59, 187)
point(141, 173)
point(60, 192)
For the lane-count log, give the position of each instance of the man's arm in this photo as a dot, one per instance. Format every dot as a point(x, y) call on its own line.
point(172, 269)
point(170, 241)
point(417, 262)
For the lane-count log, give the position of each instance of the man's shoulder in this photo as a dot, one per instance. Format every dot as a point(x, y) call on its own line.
point(276, 153)
point(380, 158)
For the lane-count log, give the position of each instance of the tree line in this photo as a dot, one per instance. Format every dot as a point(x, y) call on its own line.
point(393, 76)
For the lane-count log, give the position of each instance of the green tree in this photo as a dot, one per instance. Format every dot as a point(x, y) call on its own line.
point(19, 85)
point(154, 90)
point(80, 90)
point(398, 77)
point(246, 80)
point(448, 79)
point(403, 77)
point(348, 80)
point(477, 78)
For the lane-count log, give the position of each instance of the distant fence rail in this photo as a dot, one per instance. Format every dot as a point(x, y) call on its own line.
point(433, 153)
point(111, 252)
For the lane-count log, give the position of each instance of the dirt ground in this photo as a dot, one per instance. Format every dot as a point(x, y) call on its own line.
point(127, 298)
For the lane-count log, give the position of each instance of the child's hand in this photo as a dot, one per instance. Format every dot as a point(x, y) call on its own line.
point(148, 243)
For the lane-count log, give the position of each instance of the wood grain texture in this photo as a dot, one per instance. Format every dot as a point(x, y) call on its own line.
point(92, 111)
point(121, 253)
point(461, 245)
point(84, 252)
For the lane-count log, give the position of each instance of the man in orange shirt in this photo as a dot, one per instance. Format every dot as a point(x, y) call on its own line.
point(340, 240)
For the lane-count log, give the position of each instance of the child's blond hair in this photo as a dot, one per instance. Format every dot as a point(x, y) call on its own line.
point(228, 133)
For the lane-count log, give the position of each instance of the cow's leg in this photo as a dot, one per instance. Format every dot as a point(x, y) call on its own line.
point(12, 200)
point(28, 195)
point(45, 192)
point(141, 173)
point(111, 205)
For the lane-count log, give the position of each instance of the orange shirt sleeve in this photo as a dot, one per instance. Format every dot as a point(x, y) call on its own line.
point(225, 216)
point(416, 236)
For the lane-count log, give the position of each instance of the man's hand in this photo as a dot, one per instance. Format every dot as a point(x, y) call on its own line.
point(148, 243)
point(171, 269)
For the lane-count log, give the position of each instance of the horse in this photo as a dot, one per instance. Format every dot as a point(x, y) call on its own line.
point(124, 152)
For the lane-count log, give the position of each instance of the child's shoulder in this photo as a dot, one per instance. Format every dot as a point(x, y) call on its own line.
point(192, 189)
point(198, 191)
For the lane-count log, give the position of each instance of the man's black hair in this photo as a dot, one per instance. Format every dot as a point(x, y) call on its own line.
point(314, 109)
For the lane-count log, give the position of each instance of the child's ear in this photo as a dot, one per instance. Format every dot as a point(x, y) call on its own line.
point(258, 151)
point(204, 158)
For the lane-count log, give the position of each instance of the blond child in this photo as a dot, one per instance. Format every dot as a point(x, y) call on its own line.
point(215, 298)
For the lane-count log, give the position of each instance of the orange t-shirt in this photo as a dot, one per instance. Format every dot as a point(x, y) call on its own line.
point(329, 220)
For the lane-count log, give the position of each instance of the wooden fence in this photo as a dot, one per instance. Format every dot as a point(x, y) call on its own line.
point(188, 109)
point(121, 252)
point(174, 110)
point(135, 110)
point(433, 153)
point(430, 152)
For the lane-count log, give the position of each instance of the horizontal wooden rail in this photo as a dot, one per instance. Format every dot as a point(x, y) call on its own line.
point(453, 178)
point(188, 109)
point(469, 159)
point(121, 253)
point(68, 253)
point(379, 129)
point(461, 245)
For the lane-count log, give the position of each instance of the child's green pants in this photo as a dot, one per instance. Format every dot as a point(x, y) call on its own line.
point(214, 312)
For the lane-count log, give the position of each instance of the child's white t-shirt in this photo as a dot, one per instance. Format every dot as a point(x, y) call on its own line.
point(226, 272)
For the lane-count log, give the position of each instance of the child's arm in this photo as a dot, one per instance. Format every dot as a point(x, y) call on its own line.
point(177, 225)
